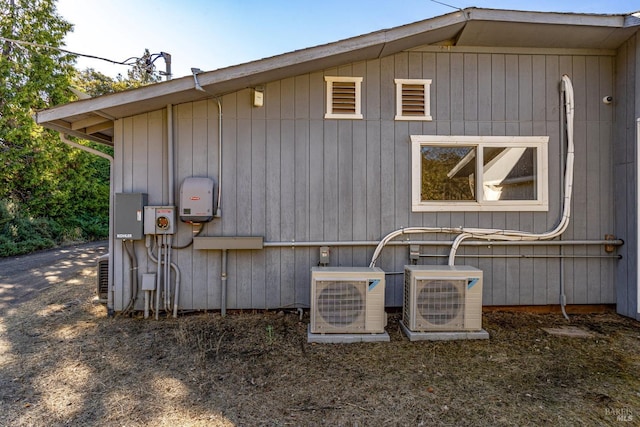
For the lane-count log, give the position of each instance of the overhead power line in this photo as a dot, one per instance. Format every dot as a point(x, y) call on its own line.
point(129, 61)
point(445, 4)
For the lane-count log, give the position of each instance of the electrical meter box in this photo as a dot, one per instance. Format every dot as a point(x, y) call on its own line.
point(159, 219)
point(198, 200)
point(128, 209)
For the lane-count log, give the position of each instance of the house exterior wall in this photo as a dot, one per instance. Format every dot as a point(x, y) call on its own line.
point(289, 174)
point(625, 166)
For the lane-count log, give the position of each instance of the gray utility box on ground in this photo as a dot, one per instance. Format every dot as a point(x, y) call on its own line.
point(129, 208)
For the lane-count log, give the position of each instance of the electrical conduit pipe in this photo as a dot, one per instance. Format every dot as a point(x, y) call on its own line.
point(160, 262)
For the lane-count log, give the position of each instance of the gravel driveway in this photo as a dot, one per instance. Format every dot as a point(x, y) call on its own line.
point(21, 276)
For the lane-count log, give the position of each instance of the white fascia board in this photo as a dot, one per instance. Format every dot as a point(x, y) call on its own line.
point(557, 18)
point(369, 46)
point(105, 102)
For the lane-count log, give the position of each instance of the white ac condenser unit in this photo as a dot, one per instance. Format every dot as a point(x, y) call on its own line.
point(347, 300)
point(442, 298)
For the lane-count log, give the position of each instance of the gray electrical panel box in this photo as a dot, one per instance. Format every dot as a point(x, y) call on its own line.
point(159, 219)
point(197, 199)
point(128, 211)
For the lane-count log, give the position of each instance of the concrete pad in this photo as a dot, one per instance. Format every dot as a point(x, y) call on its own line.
point(345, 338)
point(444, 335)
point(569, 331)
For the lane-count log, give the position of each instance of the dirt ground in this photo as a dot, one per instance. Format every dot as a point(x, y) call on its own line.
point(64, 362)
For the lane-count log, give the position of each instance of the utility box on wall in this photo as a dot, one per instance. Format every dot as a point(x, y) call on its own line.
point(197, 200)
point(128, 210)
point(159, 220)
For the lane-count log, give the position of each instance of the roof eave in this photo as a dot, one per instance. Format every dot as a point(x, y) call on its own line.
point(217, 82)
point(454, 26)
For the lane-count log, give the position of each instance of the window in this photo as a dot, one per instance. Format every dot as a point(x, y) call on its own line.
point(343, 98)
point(479, 173)
point(413, 99)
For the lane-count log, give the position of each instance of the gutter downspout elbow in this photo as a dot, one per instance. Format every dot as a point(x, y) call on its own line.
point(195, 72)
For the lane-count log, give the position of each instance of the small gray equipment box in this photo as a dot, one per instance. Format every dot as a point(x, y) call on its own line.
point(128, 214)
point(197, 200)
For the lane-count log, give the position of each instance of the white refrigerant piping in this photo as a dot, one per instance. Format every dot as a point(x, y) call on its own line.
point(500, 234)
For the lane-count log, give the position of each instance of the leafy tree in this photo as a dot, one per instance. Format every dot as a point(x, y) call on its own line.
point(94, 83)
point(30, 79)
point(141, 73)
point(48, 191)
point(44, 185)
point(437, 163)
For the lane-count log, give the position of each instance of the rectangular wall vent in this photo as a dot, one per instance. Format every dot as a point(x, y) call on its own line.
point(413, 100)
point(344, 97)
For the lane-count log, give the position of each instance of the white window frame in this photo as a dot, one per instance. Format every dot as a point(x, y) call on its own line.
point(358, 86)
point(427, 98)
point(542, 173)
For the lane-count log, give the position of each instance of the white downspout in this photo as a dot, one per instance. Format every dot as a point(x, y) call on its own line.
point(170, 161)
point(197, 86)
point(90, 150)
point(171, 189)
point(219, 210)
point(218, 213)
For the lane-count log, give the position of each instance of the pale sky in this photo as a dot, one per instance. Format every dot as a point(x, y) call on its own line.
point(212, 34)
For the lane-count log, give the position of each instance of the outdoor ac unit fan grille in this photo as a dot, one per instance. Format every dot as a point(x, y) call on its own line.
point(341, 304)
point(440, 303)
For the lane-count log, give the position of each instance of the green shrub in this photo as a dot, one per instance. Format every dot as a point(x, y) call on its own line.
point(21, 234)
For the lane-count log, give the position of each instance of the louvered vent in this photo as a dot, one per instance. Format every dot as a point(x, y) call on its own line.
point(103, 277)
point(344, 97)
point(413, 100)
